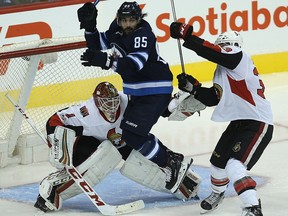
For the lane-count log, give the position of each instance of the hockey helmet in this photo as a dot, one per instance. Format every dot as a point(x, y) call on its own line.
point(232, 38)
point(129, 9)
point(107, 100)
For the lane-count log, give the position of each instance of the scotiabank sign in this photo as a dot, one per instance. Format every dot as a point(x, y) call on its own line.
point(265, 19)
point(254, 18)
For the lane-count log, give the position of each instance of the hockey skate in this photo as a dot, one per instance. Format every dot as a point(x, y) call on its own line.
point(253, 210)
point(175, 170)
point(211, 202)
point(189, 184)
point(50, 203)
point(177, 156)
point(46, 205)
point(40, 204)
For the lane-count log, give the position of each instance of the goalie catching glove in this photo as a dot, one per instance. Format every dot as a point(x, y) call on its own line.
point(87, 15)
point(97, 58)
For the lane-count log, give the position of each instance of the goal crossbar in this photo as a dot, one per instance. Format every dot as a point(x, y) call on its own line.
point(40, 50)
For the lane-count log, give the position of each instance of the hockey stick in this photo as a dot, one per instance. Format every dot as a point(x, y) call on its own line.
point(96, 2)
point(103, 207)
point(178, 40)
point(30, 122)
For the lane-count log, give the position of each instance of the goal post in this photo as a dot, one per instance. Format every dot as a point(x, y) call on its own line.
point(42, 77)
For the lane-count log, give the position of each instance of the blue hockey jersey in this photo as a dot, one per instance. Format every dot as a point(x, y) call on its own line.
point(138, 62)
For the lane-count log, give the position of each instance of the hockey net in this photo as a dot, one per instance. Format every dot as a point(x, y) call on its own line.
point(42, 77)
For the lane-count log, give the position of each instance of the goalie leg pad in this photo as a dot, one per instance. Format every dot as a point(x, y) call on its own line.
point(95, 168)
point(143, 171)
point(189, 185)
point(59, 186)
point(47, 190)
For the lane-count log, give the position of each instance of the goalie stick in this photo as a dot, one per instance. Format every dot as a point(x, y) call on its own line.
point(103, 207)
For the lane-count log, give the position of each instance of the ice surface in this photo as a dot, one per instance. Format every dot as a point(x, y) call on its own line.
point(194, 137)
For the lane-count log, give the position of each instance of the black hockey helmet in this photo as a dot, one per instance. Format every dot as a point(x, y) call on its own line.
point(129, 9)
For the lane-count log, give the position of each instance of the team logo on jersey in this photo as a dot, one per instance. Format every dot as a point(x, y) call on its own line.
point(115, 138)
point(219, 90)
point(84, 111)
point(236, 147)
point(117, 51)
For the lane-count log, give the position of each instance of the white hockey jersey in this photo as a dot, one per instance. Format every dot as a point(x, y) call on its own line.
point(241, 92)
point(86, 114)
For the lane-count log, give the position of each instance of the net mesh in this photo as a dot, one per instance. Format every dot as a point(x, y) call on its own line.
point(58, 83)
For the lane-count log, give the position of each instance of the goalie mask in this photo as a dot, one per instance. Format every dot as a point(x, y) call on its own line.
point(232, 38)
point(107, 100)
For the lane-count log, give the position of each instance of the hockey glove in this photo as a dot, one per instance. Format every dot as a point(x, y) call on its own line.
point(87, 15)
point(180, 30)
point(96, 58)
point(188, 83)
